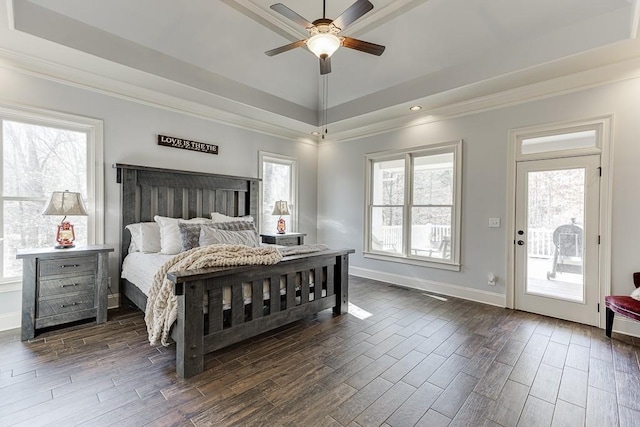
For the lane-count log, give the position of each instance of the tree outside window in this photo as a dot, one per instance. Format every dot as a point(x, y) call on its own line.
point(37, 160)
point(279, 182)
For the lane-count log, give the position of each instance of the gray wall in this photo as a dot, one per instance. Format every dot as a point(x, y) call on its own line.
point(130, 131)
point(485, 135)
point(332, 177)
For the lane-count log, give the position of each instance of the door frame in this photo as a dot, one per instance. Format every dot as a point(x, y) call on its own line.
point(603, 126)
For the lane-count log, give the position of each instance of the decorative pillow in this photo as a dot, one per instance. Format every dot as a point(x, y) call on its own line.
point(636, 294)
point(170, 241)
point(189, 236)
point(218, 217)
point(145, 237)
point(235, 225)
point(190, 233)
point(214, 236)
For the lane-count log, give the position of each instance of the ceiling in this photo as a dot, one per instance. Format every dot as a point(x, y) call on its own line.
point(211, 52)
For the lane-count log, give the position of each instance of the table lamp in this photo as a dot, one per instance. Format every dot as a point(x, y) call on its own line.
point(65, 203)
point(281, 208)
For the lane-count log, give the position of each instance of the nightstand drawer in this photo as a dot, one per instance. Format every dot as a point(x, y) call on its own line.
point(65, 304)
point(287, 241)
point(65, 285)
point(53, 267)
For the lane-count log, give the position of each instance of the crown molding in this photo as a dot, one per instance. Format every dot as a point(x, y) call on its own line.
point(564, 76)
point(194, 102)
point(440, 106)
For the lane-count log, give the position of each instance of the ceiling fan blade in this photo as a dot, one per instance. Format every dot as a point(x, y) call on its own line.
point(325, 65)
point(285, 11)
point(362, 46)
point(353, 13)
point(285, 48)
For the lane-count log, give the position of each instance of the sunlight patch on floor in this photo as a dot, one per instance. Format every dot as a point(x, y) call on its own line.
point(358, 312)
point(438, 297)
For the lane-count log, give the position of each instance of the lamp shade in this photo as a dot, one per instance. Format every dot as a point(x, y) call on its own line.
point(65, 203)
point(280, 208)
point(323, 45)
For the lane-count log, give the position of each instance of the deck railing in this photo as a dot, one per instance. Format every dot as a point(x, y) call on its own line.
point(540, 242)
point(429, 236)
point(423, 237)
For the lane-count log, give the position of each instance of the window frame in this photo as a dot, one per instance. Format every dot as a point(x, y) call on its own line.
point(292, 225)
point(94, 199)
point(409, 154)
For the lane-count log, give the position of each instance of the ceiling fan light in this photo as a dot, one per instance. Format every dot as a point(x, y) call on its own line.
point(323, 45)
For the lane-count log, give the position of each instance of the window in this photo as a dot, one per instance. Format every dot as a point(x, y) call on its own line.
point(279, 182)
point(413, 205)
point(39, 155)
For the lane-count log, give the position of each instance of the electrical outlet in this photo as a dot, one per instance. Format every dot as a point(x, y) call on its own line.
point(491, 279)
point(494, 222)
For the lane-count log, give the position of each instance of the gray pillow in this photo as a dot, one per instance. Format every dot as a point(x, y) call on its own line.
point(190, 233)
point(215, 236)
point(189, 236)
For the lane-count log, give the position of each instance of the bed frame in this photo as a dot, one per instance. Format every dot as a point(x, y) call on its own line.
point(146, 192)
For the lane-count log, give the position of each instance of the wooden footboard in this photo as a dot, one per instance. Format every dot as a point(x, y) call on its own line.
point(296, 287)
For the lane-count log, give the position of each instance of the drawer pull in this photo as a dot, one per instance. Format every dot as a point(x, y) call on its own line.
point(69, 285)
point(68, 305)
point(69, 265)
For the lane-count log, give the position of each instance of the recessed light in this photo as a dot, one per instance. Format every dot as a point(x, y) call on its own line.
point(315, 133)
point(415, 108)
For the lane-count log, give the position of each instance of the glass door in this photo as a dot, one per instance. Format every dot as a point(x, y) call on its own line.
point(557, 223)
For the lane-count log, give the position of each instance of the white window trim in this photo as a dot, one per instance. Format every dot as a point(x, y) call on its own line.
point(95, 164)
point(454, 264)
point(551, 130)
point(604, 131)
point(285, 160)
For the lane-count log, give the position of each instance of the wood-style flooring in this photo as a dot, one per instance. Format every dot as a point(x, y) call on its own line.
point(417, 360)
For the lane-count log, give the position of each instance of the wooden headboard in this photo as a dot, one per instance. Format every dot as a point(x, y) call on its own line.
point(146, 192)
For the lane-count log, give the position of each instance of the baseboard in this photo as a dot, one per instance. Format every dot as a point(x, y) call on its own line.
point(625, 326)
point(11, 320)
point(113, 301)
point(457, 291)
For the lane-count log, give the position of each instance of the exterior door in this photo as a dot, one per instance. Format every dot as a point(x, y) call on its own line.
point(557, 238)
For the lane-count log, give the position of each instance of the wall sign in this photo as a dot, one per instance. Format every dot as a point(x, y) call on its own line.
point(172, 141)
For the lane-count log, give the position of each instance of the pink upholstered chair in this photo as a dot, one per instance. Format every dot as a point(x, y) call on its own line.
point(624, 305)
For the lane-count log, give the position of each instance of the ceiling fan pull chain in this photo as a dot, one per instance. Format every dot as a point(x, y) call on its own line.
point(326, 104)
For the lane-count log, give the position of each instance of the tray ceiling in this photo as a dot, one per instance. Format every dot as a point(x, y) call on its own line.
point(217, 47)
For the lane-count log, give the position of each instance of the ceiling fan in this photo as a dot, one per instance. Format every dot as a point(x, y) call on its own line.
point(323, 38)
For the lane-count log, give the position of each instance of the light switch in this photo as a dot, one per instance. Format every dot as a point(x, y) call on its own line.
point(494, 222)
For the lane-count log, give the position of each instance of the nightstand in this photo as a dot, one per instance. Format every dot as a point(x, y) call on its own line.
point(63, 285)
point(286, 239)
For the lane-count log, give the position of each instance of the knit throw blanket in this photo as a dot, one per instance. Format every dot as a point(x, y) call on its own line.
point(162, 304)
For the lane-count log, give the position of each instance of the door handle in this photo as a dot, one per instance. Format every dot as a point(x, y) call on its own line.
point(520, 242)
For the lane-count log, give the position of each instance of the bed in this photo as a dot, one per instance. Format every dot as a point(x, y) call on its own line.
point(209, 319)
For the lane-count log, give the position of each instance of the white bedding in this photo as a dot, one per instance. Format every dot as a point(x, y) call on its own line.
point(140, 268)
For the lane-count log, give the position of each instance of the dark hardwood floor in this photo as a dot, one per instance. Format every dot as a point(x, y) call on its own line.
point(417, 360)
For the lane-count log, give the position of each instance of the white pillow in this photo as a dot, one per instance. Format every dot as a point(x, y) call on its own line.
point(145, 237)
point(218, 217)
point(170, 240)
point(215, 236)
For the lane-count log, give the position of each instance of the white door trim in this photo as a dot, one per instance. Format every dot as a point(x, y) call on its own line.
point(604, 125)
